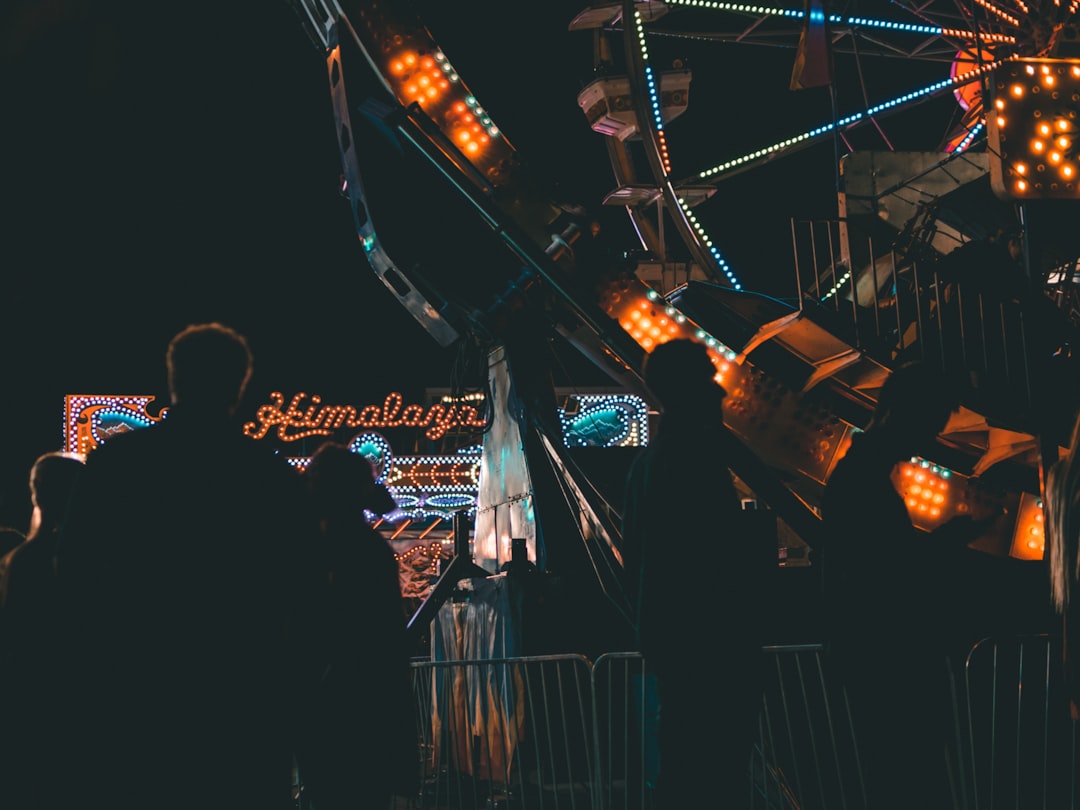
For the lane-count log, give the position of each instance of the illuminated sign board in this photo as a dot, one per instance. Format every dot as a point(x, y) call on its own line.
point(299, 422)
point(423, 486)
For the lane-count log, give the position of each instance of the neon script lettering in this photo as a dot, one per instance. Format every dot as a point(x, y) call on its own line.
point(298, 422)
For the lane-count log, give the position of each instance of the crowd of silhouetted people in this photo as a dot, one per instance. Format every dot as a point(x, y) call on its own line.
point(191, 622)
point(901, 605)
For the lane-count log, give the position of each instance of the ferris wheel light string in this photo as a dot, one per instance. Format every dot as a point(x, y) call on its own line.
point(999, 12)
point(713, 251)
point(972, 133)
point(654, 99)
point(840, 282)
point(837, 19)
point(654, 96)
point(914, 95)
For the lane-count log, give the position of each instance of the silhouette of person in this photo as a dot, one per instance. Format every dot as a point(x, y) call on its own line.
point(983, 285)
point(887, 594)
point(53, 477)
point(1062, 509)
point(999, 326)
point(365, 693)
point(990, 266)
point(680, 494)
point(29, 618)
point(193, 589)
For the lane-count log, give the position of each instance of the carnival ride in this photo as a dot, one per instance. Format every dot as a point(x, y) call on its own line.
point(802, 372)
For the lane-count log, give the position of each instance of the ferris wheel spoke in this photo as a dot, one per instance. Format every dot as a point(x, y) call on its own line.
point(802, 140)
point(646, 89)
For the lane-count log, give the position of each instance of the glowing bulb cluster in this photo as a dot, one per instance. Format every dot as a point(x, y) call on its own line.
point(650, 321)
point(606, 420)
point(1034, 127)
point(432, 551)
point(925, 489)
point(648, 328)
point(91, 420)
point(1035, 533)
point(1029, 533)
point(428, 79)
point(470, 127)
point(421, 78)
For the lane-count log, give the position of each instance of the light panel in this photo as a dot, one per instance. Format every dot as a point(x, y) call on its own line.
point(1033, 129)
point(1029, 537)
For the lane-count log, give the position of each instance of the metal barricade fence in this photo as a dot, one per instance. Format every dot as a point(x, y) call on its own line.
point(805, 757)
point(1018, 747)
point(552, 732)
point(564, 733)
point(505, 733)
point(807, 754)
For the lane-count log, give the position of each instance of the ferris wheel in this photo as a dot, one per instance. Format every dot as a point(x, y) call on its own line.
point(866, 74)
point(691, 98)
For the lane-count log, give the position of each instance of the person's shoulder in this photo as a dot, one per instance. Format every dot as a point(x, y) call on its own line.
point(962, 256)
point(642, 455)
point(261, 465)
point(14, 561)
point(230, 442)
point(267, 458)
point(27, 553)
point(9, 558)
point(371, 545)
point(10, 539)
point(641, 462)
point(973, 247)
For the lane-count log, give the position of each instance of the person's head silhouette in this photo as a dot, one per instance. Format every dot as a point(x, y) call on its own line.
point(681, 374)
point(209, 366)
point(53, 478)
point(914, 405)
point(1013, 241)
point(342, 483)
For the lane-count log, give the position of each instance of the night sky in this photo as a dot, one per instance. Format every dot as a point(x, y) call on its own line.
point(163, 166)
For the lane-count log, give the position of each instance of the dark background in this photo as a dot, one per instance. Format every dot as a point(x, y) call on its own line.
point(164, 166)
